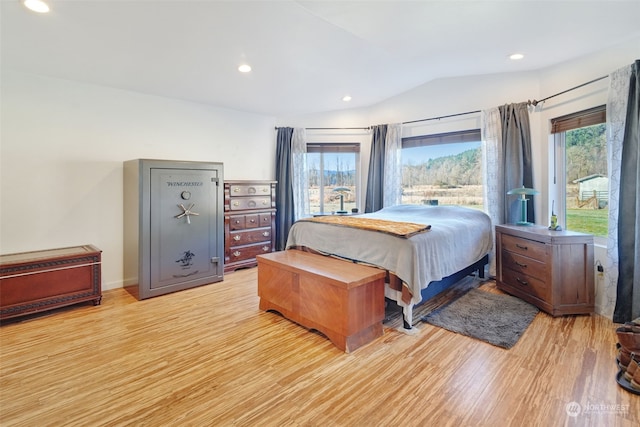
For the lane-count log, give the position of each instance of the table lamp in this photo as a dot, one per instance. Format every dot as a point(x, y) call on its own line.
point(523, 192)
point(341, 191)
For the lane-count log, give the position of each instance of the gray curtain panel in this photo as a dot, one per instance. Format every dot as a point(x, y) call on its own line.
point(285, 206)
point(628, 289)
point(374, 200)
point(518, 171)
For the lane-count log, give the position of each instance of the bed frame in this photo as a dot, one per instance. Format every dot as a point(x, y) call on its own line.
point(439, 286)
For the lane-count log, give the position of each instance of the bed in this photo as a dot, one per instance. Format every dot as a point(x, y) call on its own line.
point(452, 241)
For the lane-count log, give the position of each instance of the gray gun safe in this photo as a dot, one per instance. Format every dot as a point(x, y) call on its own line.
point(173, 225)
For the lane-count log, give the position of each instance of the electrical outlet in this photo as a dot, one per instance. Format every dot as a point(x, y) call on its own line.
point(600, 269)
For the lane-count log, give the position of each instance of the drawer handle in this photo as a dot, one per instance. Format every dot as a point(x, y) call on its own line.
point(236, 237)
point(236, 190)
point(237, 221)
point(236, 203)
point(265, 190)
point(236, 253)
point(251, 190)
point(264, 202)
point(265, 248)
point(265, 234)
point(521, 265)
point(252, 221)
point(522, 282)
point(522, 247)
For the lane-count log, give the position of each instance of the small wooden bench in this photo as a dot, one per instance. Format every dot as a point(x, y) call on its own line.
point(341, 299)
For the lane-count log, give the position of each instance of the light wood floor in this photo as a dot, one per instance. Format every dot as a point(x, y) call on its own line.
point(207, 356)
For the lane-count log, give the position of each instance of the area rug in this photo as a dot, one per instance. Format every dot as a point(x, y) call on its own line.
point(495, 318)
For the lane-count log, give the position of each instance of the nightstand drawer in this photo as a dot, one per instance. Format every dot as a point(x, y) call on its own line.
point(528, 248)
point(524, 265)
point(525, 283)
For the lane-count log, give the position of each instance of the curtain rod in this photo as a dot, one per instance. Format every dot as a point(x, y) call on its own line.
point(536, 102)
point(441, 117)
point(367, 128)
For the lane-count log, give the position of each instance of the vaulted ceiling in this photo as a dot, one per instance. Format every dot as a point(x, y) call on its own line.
point(305, 55)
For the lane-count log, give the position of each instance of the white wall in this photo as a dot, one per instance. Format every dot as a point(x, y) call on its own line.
point(63, 145)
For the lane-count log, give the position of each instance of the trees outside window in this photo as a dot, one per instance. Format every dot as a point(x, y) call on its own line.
point(443, 169)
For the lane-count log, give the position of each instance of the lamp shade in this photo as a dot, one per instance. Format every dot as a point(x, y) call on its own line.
point(341, 191)
point(523, 190)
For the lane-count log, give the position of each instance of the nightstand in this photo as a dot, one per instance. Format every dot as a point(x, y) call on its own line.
point(552, 270)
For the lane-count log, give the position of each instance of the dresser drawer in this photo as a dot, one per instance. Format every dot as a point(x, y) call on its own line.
point(241, 238)
point(237, 222)
point(249, 251)
point(265, 219)
point(528, 248)
point(526, 284)
point(245, 222)
point(524, 265)
point(242, 203)
point(250, 190)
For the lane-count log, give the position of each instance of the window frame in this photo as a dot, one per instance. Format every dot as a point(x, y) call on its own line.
point(334, 147)
point(559, 126)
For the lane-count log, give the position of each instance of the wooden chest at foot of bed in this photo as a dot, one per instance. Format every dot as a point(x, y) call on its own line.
point(342, 300)
point(31, 282)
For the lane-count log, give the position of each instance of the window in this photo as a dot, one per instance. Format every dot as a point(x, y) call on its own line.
point(443, 169)
point(332, 166)
point(582, 177)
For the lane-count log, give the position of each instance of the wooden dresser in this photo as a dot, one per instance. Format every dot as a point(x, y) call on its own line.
point(552, 270)
point(249, 222)
point(31, 282)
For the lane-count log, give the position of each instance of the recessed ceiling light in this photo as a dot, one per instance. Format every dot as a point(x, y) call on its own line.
point(346, 98)
point(244, 68)
point(36, 5)
point(516, 56)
